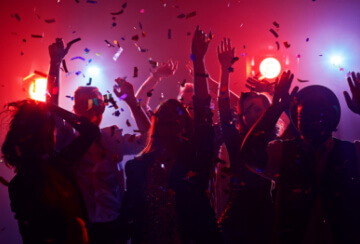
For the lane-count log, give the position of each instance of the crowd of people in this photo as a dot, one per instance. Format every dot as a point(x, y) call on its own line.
point(241, 179)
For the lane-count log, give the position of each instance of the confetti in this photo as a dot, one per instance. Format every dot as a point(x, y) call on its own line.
point(128, 123)
point(182, 84)
point(49, 21)
point(37, 36)
point(234, 60)
point(277, 45)
point(113, 24)
point(97, 54)
point(117, 54)
point(142, 11)
point(307, 39)
point(143, 34)
point(77, 1)
point(276, 24)
point(189, 15)
point(78, 57)
point(153, 63)
point(181, 16)
point(86, 50)
point(169, 33)
point(286, 44)
point(108, 43)
point(78, 73)
point(118, 13)
point(149, 93)
point(299, 80)
point(91, 1)
point(140, 25)
point(274, 33)
point(135, 38)
point(40, 73)
point(73, 41)
point(298, 56)
point(231, 69)
point(124, 5)
point(89, 83)
point(135, 72)
point(64, 66)
point(17, 16)
point(192, 57)
point(72, 98)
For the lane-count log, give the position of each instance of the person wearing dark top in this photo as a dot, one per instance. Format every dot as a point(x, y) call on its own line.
point(248, 215)
point(317, 175)
point(43, 193)
point(165, 200)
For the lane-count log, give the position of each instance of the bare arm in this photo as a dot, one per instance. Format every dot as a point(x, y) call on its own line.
point(166, 69)
point(142, 121)
point(253, 150)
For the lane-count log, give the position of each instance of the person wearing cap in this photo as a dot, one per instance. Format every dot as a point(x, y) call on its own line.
point(317, 175)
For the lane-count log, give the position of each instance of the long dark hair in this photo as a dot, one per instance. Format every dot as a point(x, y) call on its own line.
point(26, 132)
point(153, 143)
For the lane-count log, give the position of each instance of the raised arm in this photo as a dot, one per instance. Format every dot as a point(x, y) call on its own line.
point(226, 56)
point(87, 130)
point(57, 52)
point(354, 84)
point(253, 150)
point(166, 69)
point(141, 120)
point(200, 44)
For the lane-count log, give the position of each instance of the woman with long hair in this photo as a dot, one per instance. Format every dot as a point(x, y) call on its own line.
point(43, 193)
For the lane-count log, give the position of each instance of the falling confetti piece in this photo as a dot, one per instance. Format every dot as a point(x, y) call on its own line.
point(181, 16)
point(192, 57)
point(40, 73)
point(124, 5)
point(149, 93)
point(97, 54)
point(64, 66)
point(108, 43)
point(298, 56)
point(189, 15)
point(118, 13)
point(117, 54)
point(299, 80)
point(153, 63)
point(89, 83)
point(169, 33)
point(135, 38)
point(78, 57)
point(142, 11)
point(135, 72)
point(73, 41)
point(286, 44)
point(276, 24)
point(78, 73)
point(128, 123)
point(307, 39)
point(140, 25)
point(277, 45)
point(17, 16)
point(274, 33)
point(341, 69)
point(37, 36)
point(49, 21)
point(90, 1)
point(113, 24)
point(182, 84)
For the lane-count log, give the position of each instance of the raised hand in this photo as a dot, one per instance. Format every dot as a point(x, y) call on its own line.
point(254, 84)
point(124, 87)
point(226, 54)
point(200, 44)
point(354, 84)
point(57, 51)
point(282, 98)
point(166, 69)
